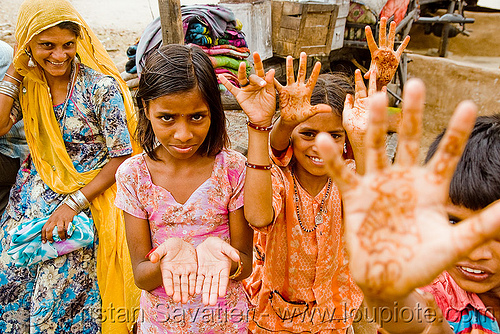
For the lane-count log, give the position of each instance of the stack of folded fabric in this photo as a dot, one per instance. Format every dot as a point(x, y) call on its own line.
point(211, 27)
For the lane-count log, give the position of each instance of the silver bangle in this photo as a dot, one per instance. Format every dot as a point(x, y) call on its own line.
point(79, 198)
point(13, 78)
point(9, 89)
point(69, 202)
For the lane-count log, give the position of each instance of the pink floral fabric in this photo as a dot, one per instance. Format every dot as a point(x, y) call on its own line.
point(204, 214)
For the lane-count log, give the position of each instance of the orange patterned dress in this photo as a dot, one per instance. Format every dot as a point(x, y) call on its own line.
point(301, 280)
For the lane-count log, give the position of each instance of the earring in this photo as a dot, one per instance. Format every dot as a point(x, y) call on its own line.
point(31, 63)
point(345, 147)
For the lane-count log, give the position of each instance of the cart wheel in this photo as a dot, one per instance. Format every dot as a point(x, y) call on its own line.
point(446, 32)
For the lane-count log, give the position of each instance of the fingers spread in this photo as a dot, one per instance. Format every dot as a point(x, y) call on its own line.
point(359, 85)
point(259, 67)
point(301, 75)
point(403, 46)
point(472, 232)
point(411, 125)
point(331, 154)
point(376, 157)
point(370, 40)
point(290, 77)
point(311, 82)
point(392, 35)
point(382, 42)
point(229, 86)
point(450, 148)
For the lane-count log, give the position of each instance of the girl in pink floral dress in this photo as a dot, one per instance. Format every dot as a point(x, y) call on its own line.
point(183, 202)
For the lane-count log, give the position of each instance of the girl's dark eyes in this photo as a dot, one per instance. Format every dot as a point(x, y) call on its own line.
point(197, 117)
point(453, 222)
point(308, 134)
point(166, 118)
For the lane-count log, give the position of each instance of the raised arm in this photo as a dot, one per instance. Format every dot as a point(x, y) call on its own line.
point(397, 231)
point(384, 60)
point(8, 89)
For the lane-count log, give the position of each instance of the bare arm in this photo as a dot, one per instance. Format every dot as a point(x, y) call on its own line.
point(63, 215)
point(397, 231)
point(6, 102)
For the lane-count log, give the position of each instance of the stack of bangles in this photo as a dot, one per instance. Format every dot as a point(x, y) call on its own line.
point(77, 201)
point(258, 128)
point(238, 271)
point(11, 90)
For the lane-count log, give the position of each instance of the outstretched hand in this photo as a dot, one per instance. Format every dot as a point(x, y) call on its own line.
point(256, 96)
point(214, 264)
point(295, 97)
point(384, 60)
point(397, 231)
point(178, 265)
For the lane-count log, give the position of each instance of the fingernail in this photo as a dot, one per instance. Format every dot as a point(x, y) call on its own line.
point(150, 252)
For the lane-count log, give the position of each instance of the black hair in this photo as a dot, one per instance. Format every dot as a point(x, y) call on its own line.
point(173, 69)
point(331, 89)
point(476, 181)
point(71, 26)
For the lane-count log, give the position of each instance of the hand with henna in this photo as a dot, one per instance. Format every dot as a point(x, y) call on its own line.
point(214, 264)
point(257, 96)
point(384, 60)
point(396, 227)
point(178, 265)
point(295, 97)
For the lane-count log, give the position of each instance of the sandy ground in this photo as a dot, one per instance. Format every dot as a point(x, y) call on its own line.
point(470, 71)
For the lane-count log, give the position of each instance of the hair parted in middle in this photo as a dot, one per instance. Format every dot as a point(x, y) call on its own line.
point(173, 69)
point(332, 89)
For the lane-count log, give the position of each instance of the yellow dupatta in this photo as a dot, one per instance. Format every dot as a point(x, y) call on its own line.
point(120, 296)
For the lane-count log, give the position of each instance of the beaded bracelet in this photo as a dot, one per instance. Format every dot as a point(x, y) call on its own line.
point(260, 167)
point(238, 270)
point(259, 128)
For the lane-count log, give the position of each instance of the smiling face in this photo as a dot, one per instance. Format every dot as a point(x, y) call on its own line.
point(480, 271)
point(181, 122)
point(304, 148)
point(54, 49)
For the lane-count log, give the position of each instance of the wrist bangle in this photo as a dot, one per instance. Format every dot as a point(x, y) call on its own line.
point(260, 167)
point(259, 128)
point(238, 270)
point(81, 201)
point(13, 78)
point(69, 202)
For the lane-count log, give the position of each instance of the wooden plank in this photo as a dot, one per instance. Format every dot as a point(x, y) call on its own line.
point(290, 22)
point(313, 8)
point(314, 35)
point(318, 19)
point(276, 14)
point(171, 22)
point(330, 36)
point(292, 8)
point(289, 35)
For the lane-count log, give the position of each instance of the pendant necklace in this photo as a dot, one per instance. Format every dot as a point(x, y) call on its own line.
point(318, 219)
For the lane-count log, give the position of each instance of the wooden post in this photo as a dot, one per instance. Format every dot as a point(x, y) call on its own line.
point(171, 21)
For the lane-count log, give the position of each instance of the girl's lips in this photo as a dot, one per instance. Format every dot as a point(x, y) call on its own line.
point(183, 149)
point(473, 274)
point(317, 161)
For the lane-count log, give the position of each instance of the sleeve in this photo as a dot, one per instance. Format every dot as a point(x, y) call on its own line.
point(127, 198)
point(278, 180)
point(110, 108)
point(284, 159)
point(236, 174)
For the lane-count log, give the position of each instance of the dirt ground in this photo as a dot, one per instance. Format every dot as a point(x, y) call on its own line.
point(470, 71)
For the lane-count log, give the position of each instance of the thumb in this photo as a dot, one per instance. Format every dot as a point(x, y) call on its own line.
point(320, 108)
point(230, 252)
point(157, 254)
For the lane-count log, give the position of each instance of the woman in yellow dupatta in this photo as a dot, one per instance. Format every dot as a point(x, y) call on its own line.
point(76, 111)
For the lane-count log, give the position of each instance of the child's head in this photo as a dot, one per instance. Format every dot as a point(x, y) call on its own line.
point(475, 185)
point(175, 70)
point(330, 89)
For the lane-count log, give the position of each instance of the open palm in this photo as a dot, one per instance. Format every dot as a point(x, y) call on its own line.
point(384, 60)
point(295, 97)
point(214, 264)
point(396, 227)
point(178, 265)
point(257, 97)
